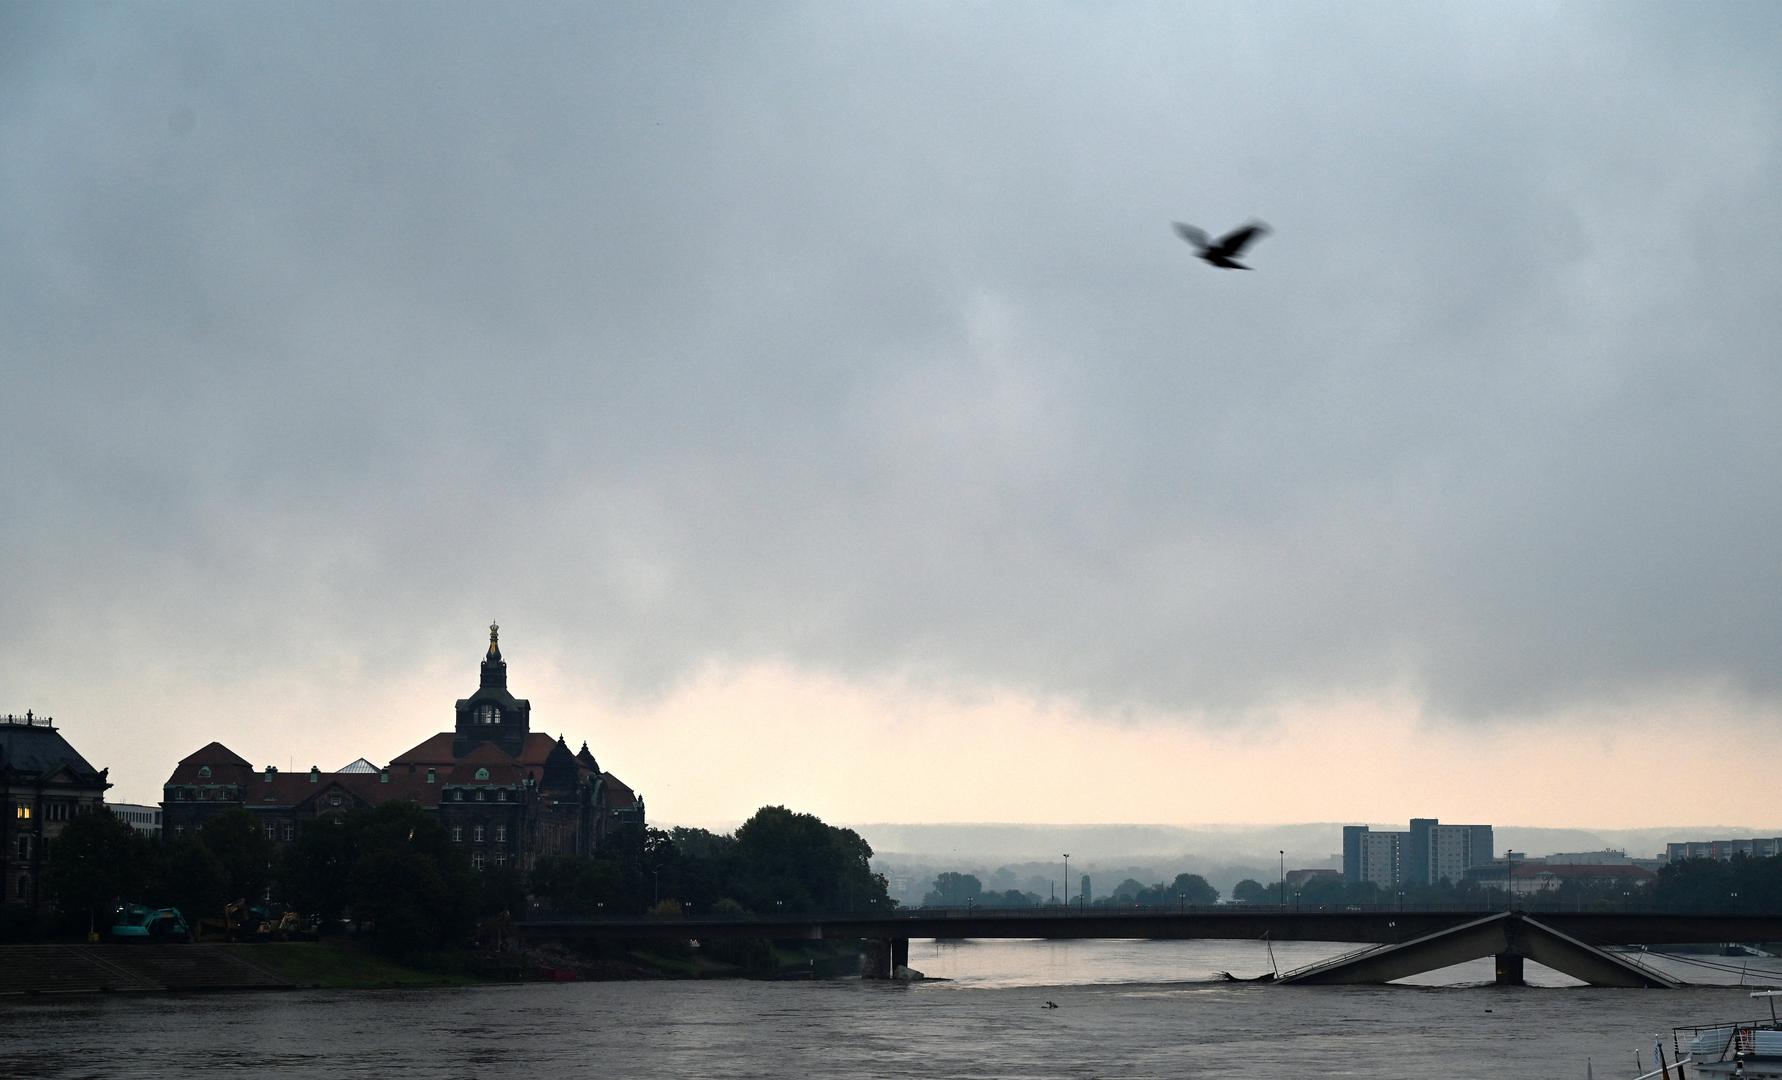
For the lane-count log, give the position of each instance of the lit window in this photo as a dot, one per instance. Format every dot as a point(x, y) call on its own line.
point(23, 813)
point(457, 834)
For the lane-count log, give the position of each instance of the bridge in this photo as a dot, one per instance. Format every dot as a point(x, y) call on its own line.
point(1410, 941)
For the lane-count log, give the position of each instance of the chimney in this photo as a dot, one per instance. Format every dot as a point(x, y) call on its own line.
point(383, 776)
point(315, 774)
point(270, 773)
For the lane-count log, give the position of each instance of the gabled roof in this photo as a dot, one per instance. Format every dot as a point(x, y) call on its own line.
point(359, 766)
point(214, 754)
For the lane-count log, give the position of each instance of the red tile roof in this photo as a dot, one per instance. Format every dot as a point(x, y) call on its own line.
point(618, 796)
point(537, 748)
point(436, 750)
point(214, 754)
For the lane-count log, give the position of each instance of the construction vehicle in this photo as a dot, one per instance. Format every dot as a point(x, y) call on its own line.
point(245, 922)
point(134, 922)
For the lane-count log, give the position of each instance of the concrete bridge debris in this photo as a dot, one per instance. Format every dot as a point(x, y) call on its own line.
point(1510, 937)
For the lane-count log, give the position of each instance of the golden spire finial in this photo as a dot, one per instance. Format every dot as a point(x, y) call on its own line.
point(494, 638)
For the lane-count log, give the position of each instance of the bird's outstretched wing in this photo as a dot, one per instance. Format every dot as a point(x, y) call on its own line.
point(1234, 242)
point(1193, 235)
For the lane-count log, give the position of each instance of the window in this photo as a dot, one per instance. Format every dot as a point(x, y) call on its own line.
point(290, 831)
point(204, 772)
point(476, 861)
point(481, 795)
point(477, 834)
point(482, 774)
point(501, 857)
point(501, 796)
point(334, 799)
point(271, 832)
point(24, 848)
point(489, 714)
point(179, 830)
point(501, 834)
point(458, 795)
point(23, 812)
point(457, 834)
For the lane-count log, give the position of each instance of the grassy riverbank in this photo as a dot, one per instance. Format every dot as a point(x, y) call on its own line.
point(344, 964)
point(337, 964)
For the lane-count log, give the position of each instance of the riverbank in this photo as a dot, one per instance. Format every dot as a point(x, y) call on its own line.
point(348, 964)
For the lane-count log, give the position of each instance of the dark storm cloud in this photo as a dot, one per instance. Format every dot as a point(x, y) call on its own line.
point(856, 337)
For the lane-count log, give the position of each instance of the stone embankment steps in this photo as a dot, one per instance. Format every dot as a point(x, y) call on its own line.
point(51, 969)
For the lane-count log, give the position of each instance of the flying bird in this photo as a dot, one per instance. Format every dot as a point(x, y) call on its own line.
point(1224, 251)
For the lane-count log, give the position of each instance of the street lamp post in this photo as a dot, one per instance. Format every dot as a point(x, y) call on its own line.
point(1067, 881)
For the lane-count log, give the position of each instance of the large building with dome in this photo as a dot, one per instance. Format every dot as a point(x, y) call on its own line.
point(504, 792)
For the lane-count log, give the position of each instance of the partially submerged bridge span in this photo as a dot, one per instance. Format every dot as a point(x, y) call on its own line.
point(1511, 937)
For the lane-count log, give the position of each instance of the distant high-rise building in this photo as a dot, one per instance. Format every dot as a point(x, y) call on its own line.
point(1083, 893)
point(1754, 848)
point(1426, 853)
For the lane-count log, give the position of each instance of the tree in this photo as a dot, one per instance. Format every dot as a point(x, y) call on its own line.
point(314, 873)
point(96, 862)
point(243, 852)
point(793, 862)
point(1193, 889)
point(953, 890)
point(407, 880)
point(1250, 891)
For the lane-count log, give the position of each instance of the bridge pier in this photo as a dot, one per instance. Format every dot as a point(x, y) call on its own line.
point(1509, 970)
point(881, 957)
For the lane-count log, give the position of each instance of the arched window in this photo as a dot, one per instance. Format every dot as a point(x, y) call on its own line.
point(204, 772)
point(491, 714)
point(482, 774)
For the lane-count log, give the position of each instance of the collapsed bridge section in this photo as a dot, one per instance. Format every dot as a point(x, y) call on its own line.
point(1510, 936)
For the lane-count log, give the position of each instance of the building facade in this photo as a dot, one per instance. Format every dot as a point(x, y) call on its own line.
point(144, 819)
point(44, 783)
point(507, 794)
point(1762, 847)
point(1425, 854)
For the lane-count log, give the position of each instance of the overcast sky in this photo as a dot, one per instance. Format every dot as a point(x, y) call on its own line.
point(820, 400)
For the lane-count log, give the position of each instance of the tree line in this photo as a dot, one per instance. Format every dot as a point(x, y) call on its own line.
point(954, 889)
point(393, 871)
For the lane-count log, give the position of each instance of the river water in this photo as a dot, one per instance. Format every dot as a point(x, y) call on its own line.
point(1126, 1010)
